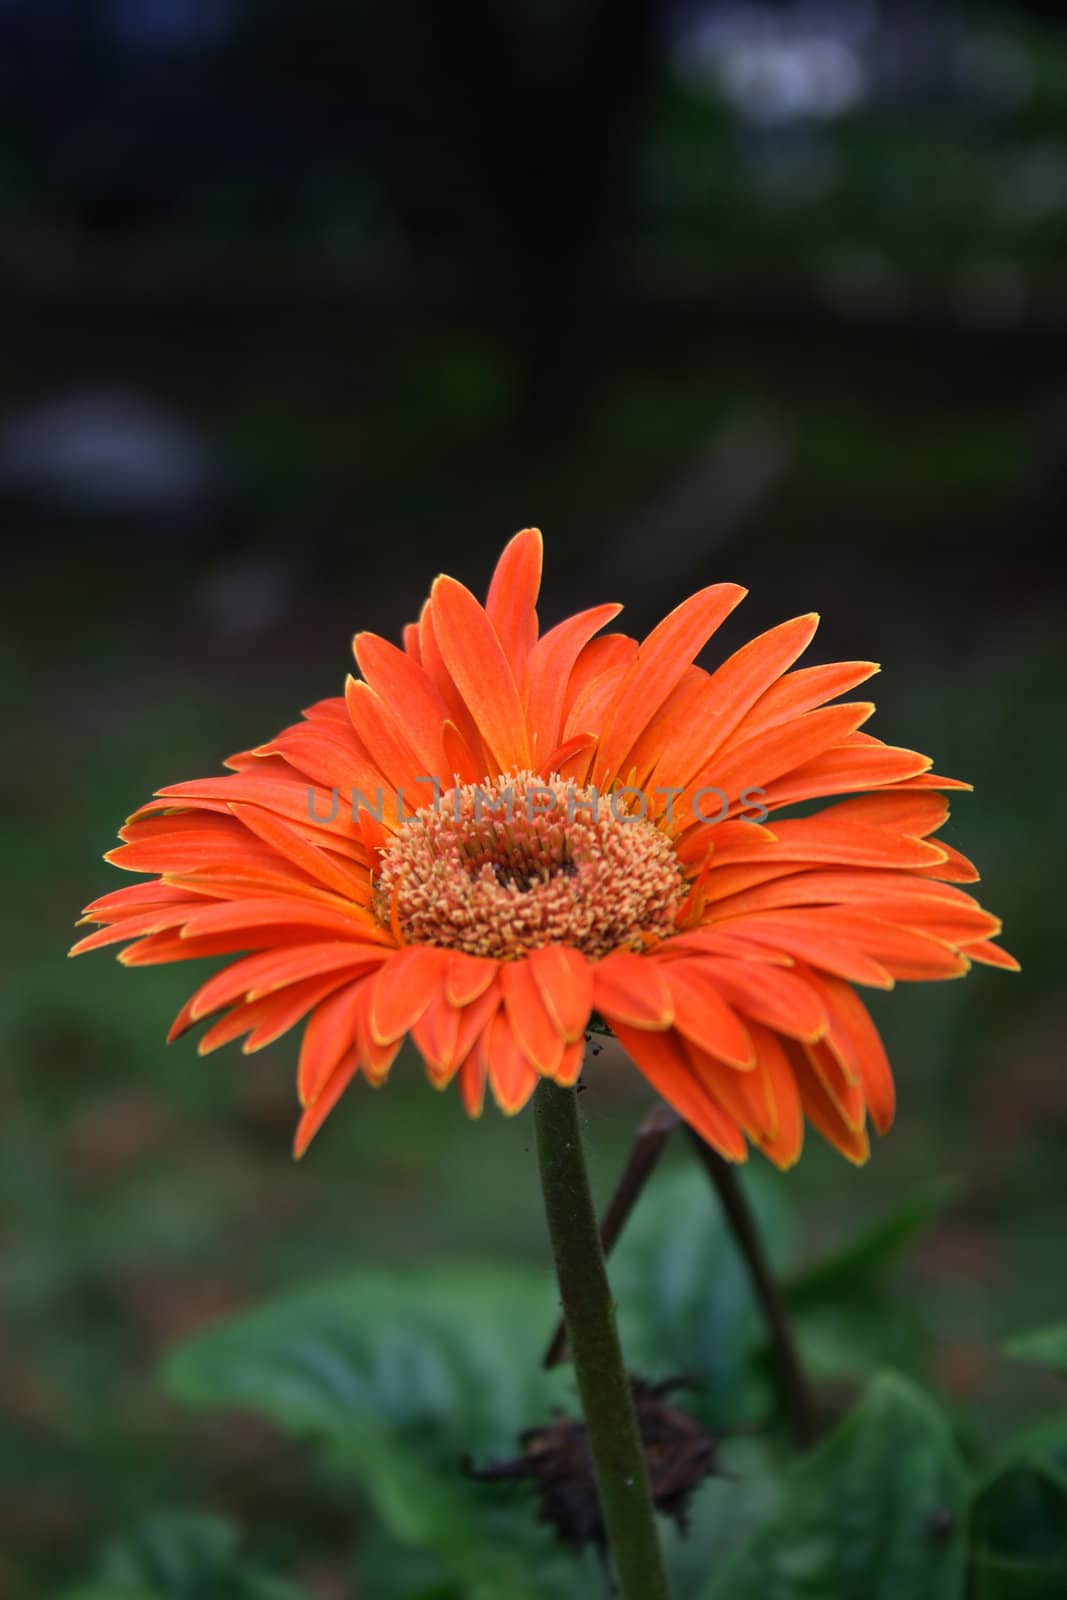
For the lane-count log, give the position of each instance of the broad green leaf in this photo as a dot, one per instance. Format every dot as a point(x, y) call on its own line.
point(724, 1510)
point(875, 1513)
point(110, 1591)
point(1005, 1578)
point(177, 1555)
point(173, 1551)
point(446, 1358)
point(401, 1378)
point(1019, 1518)
point(1043, 1347)
point(686, 1305)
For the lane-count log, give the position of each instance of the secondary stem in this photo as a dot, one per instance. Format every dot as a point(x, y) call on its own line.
point(796, 1391)
point(603, 1384)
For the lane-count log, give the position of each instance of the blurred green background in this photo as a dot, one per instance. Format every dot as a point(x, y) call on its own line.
point(304, 304)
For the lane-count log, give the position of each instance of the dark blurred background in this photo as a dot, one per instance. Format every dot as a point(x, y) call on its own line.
point(305, 301)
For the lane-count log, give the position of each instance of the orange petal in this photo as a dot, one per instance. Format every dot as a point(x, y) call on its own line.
point(805, 939)
point(411, 641)
point(511, 1077)
point(301, 798)
point(273, 969)
point(852, 1021)
point(823, 1114)
point(512, 599)
point(742, 1095)
point(570, 1068)
point(158, 948)
point(607, 659)
point(399, 682)
point(831, 1062)
point(904, 952)
point(472, 1083)
point(662, 1059)
point(403, 989)
point(562, 757)
point(434, 663)
point(704, 1017)
point(551, 662)
point(481, 672)
point(955, 868)
point(472, 1022)
point(461, 764)
point(779, 998)
point(784, 1147)
point(267, 1019)
point(132, 899)
point(917, 813)
point(129, 928)
point(631, 989)
point(903, 897)
point(671, 725)
point(756, 762)
point(466, 977)
point(729, 693)
point(844, 769)
point(825, 838)
point(283, 910)
point(802, 691)
point(720, 939)
point(991, 955)
point(310, 858)
point(537, 1035)
point(330, 1033)
point(316, 1114)
point(565, 979)
point(436, 1037)
point(591, 704)
point(378, 729)
point(374, 1058)
point(660, 662)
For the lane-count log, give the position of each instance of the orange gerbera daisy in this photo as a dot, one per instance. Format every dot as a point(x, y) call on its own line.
point(495, 833)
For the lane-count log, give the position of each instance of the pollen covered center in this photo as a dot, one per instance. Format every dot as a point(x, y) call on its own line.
point(508, 865)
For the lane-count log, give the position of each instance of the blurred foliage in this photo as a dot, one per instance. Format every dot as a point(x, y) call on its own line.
point(150, 1191)
point(874, 1514)
point(870, 290)
point(181, 1556)
point(390, 1385)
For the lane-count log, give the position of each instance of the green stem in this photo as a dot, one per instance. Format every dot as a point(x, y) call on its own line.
point(603, 1385)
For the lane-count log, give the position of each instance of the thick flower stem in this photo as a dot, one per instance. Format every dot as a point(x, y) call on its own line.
point(648, 1146)
point(603, 1385)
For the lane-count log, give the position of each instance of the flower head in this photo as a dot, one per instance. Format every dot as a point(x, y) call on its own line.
point(495, 833)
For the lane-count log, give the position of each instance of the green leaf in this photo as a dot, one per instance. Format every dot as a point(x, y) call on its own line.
point(110, 1591)
point(448, 1359)
point(175, 1555)
point(172, 1551)
point(685, 1299)
point(1042, 1347)
point(401, 1378)
point(1019, 1518)
point(1005, 1578)
point(876, 1513)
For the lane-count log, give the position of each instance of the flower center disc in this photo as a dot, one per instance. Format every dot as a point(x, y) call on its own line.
point(508, 865)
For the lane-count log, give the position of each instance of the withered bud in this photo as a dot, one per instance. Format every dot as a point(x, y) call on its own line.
point(679, 1455)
